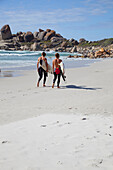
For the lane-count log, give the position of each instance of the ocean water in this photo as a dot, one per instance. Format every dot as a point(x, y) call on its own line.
point(26, 60)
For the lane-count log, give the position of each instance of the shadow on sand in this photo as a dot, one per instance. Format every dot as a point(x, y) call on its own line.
point(81, 87)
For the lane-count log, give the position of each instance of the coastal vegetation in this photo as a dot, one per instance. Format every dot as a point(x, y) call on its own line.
point(103, 43)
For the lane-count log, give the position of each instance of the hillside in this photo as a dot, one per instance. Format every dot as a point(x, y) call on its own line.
point(102, 43)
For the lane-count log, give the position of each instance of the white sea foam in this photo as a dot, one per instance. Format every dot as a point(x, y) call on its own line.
point(16, 59)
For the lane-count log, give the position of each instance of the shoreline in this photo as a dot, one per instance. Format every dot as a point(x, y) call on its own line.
point(71, 63)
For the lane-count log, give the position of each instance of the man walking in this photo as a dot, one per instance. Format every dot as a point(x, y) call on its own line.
point(40, 70)
point(56, 70)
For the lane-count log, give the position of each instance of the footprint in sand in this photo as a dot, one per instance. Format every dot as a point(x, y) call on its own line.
point(24, 94)
point(97, 162)
point(43, 125)
point(68, 123)
point(3, 100)
point(59, 162)
point(3, 142)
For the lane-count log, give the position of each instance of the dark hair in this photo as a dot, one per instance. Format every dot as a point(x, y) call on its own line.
point(44, 54)
point(57, 55)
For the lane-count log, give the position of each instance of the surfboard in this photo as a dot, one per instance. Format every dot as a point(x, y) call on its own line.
point(63, 70)
point(62, 67)
point(43, 65)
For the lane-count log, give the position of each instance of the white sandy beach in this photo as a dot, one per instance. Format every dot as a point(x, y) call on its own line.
point(70, 128)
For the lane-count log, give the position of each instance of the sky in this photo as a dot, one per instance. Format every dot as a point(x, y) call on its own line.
point(89, 19)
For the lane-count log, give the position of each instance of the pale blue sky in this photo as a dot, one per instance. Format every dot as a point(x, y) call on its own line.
point(89, 19)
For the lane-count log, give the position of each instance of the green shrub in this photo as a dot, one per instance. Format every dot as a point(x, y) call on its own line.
point(104, 43)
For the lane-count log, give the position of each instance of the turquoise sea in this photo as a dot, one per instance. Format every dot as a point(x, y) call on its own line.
point(26, 60)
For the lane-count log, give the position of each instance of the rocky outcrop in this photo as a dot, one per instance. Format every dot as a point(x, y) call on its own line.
point(56, 39)
point(64, 44)
point(9, 45)
point(40, 30)
point(25, 47)
point(48, 39)
point(0, 36)
point(19, 33)
point(82, 40)
point(21, 38)
point(74, 49)
point(102, 53)
point(35, 34)
point(48, 30)
point(5, 32)
point(41, 35)
point(35, 47)
point(94, 53)
point(28, 36)
point(73, 41)
point(49, 35)
point(3, 45)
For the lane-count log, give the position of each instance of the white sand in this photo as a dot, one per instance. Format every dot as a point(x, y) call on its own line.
point(43, 128)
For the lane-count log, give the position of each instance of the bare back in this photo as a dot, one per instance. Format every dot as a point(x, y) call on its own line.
point(56, 63)
point(42, 58)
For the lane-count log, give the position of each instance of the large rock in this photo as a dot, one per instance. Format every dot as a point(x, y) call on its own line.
point(19, 33)
point(64, 44)
point(102, 53)
point(6, 32)
point(3, 46)
point(0, 36)
point(48, 30)
point(56, 39)
point(41, 35)
point(21, 38)
point(24, 47)
point(82, 40)
point(17, 44)
point(49, 35)
point(74, 49)
point(68, 50)
point(28, 37)
point(58, 35)
point(60, 49)
point(35, 34)
point(35, 47)
point(73, 41)
point(40, 30)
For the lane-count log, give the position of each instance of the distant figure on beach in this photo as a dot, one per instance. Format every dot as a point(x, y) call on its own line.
point(40, 70)
point(56, 70)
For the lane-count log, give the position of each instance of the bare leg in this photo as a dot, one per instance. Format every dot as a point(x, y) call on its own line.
point(38, 84)
point(53, 85)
